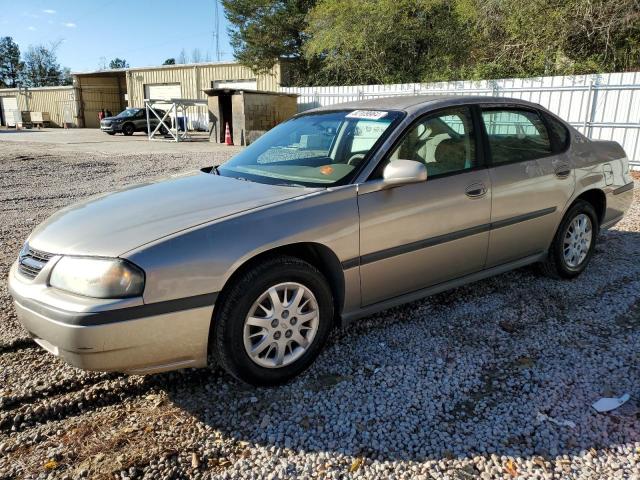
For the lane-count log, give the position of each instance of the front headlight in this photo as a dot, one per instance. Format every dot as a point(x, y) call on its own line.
point(98, 277)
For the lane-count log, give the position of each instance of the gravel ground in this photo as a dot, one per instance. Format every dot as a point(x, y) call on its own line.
point(451, 387)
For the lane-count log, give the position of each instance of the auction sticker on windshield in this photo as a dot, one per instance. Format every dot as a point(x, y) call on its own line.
point(367, 114)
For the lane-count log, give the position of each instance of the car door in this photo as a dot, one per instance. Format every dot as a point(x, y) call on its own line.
point(140, 120)
point(418, 235)
point(531, 183)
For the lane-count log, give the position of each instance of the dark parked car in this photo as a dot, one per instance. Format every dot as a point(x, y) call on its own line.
point(132, 120)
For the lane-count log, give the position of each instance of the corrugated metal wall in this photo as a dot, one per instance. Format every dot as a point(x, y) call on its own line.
point(94, 91)
point(603, 107)
point(55, 100)
point(194, 79)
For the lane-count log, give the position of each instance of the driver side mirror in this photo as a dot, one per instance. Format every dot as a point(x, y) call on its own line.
point(403, 172)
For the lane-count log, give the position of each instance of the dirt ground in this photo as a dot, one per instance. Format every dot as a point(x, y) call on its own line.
point(461, 385)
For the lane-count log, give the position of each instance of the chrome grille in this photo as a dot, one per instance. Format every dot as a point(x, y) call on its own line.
point(31, 262)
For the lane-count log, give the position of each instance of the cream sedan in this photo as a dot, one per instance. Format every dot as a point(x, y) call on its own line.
point(333, 215)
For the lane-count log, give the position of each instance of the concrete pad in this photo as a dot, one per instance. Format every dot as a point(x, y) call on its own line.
point(94, 141)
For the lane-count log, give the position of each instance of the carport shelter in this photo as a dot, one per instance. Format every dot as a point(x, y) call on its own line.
point(249, 113)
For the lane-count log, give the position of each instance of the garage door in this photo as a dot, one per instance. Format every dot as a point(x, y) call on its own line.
point(165, 91)
point(10, 113)
point(237, 84)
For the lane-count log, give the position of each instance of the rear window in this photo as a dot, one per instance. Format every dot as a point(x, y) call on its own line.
point(515, 135)
point(559, 132)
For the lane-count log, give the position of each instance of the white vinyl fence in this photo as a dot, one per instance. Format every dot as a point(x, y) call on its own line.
point(603, 106)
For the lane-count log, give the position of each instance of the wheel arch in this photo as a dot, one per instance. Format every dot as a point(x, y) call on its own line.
point(597, 198)
point(317, 254)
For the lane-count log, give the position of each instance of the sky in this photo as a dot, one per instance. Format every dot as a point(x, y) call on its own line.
point(89, 32)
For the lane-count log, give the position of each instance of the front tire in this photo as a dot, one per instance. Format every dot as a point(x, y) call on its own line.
point(128, 129)
point(574, 242)
point(272, 321)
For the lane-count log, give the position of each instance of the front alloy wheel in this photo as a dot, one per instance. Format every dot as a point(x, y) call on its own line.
point(272, 321)
point(281, 325)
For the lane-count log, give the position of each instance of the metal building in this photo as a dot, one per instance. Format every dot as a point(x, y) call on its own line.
point(115, 90)
point(60, 102)
point(131, 86)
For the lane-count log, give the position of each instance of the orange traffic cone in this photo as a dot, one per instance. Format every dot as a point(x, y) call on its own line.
point(227, 135)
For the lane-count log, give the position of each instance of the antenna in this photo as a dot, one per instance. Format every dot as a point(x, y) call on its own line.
point(216, 29)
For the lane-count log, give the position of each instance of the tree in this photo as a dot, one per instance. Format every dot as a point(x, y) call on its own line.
point(541, 37)
point(118, 63)
point(265, 31)
point(182, 58)
point(10, 64)
point(170, 61)
point(387, 41)
point(65, 77)
point(41, 67)
point(384, 41)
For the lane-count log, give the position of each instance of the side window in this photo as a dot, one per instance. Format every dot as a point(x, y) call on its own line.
point(559, 132)
point(515, 135)
point(444, 142)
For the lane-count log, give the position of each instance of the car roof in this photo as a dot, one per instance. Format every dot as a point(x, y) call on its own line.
point(411, 103)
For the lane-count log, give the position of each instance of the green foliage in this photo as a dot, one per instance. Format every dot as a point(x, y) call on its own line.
point(10, 64)
point(265, 31)
point(41, 68)
point(169, 61)
point(552, 37)
point(384, 41)
point(118, 63)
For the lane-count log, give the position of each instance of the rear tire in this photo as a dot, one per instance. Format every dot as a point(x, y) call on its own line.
point(574, 242)
point(252, 326)
point(128, 129)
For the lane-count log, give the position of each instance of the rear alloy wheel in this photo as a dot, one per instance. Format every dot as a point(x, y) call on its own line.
point(574, 242)
point(271, 323)
point(577, 241)
point(128, 129)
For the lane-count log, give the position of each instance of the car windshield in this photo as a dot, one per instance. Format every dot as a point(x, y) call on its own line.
point(315, 150)
point(129, 112)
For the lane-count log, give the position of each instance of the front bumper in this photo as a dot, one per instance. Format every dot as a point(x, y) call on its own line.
point(121, 335)
point(115, 128)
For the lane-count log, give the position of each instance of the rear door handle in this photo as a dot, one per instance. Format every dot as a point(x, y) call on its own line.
point(563, 171)
point(475, 190)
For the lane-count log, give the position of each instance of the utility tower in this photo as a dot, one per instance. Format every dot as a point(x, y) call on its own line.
point(216, 29)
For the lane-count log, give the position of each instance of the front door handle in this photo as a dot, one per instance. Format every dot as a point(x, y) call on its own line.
point(475, 190)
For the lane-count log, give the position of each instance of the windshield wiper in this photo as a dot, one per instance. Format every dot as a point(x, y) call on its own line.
point(289, 184)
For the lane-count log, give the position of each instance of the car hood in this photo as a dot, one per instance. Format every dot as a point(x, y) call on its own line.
point(114, 223)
